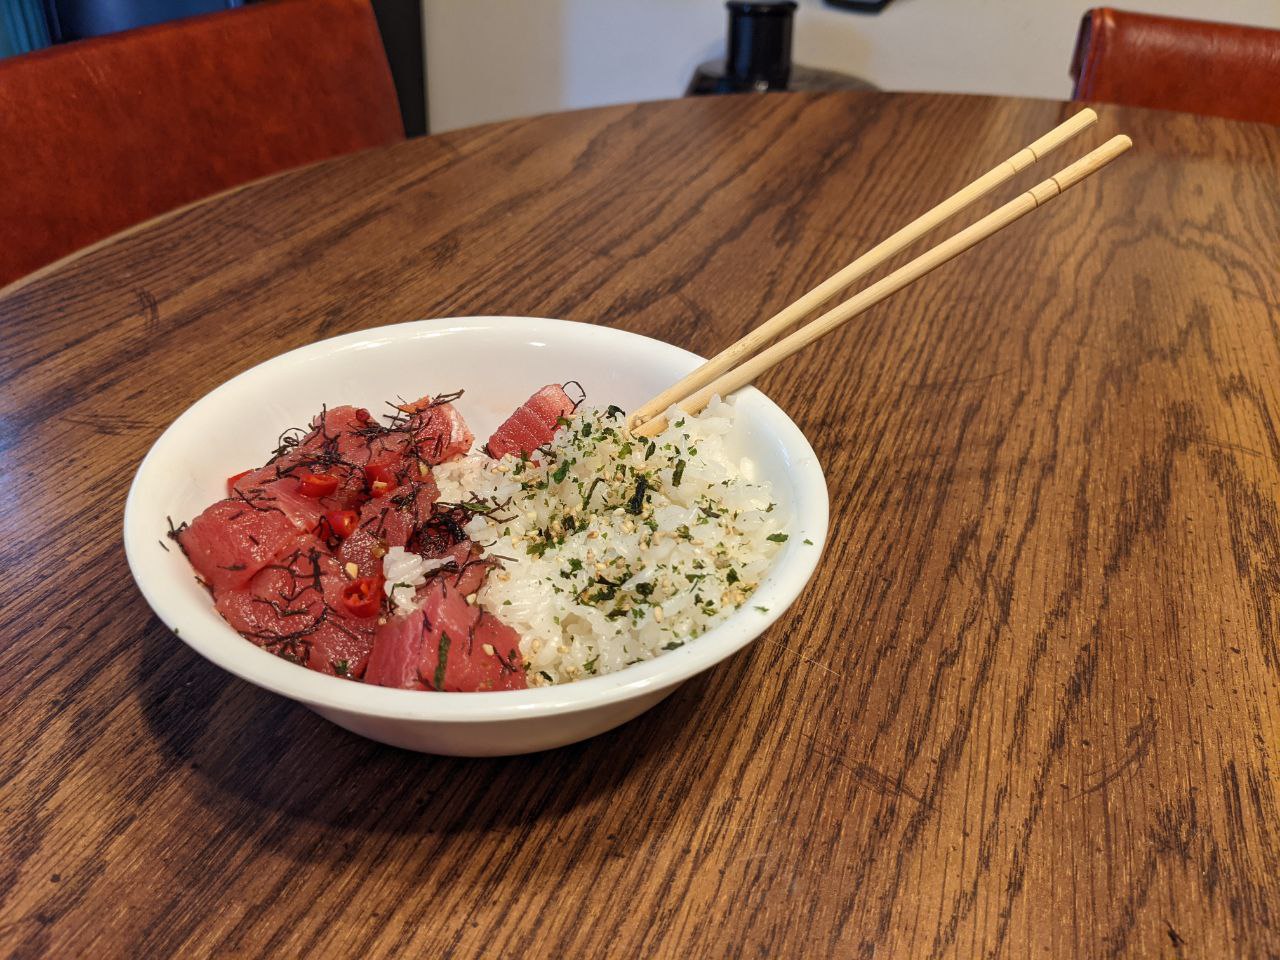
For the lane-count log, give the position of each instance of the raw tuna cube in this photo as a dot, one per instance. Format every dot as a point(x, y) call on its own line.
point(339, 444)
point(280, 481)
point(454, 651)
point(341, 432)
point(294, 590)
point(397, 651)
point(303, 512)
point(431, 432)
point(394, 518)
point(364, 550)
point(533, 425)
point(468, 569)
point(233, 539)
point(492, 632)
point(293, 607)
point(254, 618)
point(372, 452)
point(446, 645)
point(341, 647)
point(440, 434)
point(389, 521)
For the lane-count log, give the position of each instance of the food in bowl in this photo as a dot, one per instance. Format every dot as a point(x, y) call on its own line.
point(393, 554)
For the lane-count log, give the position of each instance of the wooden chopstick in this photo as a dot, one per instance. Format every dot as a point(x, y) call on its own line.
point(993, 222)
point(917, 228)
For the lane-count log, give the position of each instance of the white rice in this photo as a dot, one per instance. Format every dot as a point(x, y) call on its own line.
point(404, 572)
point(592, 586)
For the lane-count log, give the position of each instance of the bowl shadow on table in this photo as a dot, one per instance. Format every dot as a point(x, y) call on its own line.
point(254, 758)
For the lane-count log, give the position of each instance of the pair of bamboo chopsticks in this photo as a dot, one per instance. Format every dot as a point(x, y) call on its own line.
point(739, 364)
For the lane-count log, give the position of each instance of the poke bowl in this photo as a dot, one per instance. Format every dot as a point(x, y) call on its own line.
point(497, 361)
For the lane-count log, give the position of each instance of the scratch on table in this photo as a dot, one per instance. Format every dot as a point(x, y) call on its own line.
point(1222, 444)
point(150, 310)
point(1138, 741)
point(864, 773)
point(809, 660)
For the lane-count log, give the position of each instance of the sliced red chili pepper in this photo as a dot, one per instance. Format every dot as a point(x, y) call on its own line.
point(342, 523)
point(317, 484)
point(233, 480)
point(363, 597)
point(381, 480)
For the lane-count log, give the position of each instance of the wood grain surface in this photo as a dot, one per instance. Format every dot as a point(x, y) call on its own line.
point(1029, 706)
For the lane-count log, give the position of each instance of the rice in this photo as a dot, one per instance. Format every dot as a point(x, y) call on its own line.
point(615, 549)
point(403, 572)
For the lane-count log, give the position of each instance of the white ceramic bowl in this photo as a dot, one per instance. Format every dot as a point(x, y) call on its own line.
point(499, 361)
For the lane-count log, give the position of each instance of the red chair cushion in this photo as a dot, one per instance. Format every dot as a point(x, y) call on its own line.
point(1215, 69)
point(101, 134)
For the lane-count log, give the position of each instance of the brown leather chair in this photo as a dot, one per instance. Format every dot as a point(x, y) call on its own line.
point(98, 135)
point(1217, 69)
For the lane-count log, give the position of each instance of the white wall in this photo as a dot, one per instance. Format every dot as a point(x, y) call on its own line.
point(497, 59)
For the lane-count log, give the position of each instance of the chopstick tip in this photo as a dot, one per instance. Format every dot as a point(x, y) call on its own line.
point(1117, 145)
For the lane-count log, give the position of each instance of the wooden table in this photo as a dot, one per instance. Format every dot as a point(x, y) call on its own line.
point(1029, 706)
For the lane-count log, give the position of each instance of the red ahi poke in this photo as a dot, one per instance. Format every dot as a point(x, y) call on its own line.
point(388, 551)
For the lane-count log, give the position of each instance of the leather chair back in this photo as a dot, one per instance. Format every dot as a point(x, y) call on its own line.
point(1215, 69)
point(101, 134)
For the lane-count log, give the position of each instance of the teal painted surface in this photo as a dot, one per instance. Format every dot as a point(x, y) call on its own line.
point(22, 27)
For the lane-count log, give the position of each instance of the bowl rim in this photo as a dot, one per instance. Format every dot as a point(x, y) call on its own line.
point(780, 588)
